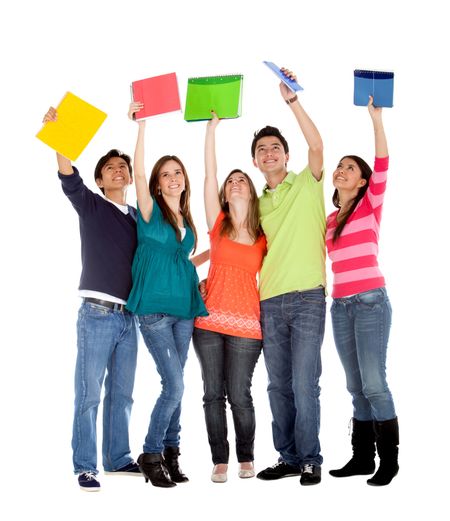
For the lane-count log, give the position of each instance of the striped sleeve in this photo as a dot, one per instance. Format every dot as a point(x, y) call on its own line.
point(377, 183)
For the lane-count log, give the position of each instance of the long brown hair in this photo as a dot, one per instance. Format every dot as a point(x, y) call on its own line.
point(184, 199)
point(366, 172)
point(252, 220)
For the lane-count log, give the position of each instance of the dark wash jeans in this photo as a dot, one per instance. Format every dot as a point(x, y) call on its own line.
point(293, 328)
point(227, 363)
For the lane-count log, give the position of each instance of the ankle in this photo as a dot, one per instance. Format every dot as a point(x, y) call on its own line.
point(246, 465)
point(220, 468)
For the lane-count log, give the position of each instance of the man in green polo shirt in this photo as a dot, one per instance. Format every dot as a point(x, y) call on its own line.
point(292, 290)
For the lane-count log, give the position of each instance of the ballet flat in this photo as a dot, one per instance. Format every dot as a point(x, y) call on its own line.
point(246, 473)
point(218, 478)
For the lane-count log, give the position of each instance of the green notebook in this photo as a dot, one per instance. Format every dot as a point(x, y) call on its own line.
point(222, 94)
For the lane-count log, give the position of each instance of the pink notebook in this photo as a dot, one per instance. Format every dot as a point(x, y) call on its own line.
point(159, 94)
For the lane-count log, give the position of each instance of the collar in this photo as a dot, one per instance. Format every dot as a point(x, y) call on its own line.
point(289, 179)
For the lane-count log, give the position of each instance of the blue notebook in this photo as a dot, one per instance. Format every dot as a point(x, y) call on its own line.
point(293, 85)
point(378, 84)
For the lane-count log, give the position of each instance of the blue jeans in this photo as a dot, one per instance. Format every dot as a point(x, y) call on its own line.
point(227, 364)
point(107, 343)
point(361, 325)
point(293, 328)
point(167, 338)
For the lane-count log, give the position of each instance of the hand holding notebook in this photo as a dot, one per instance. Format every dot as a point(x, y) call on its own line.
point(290, 83)
point(159, 94)
point(221, 94)
point(378, 84)
point(75, 126)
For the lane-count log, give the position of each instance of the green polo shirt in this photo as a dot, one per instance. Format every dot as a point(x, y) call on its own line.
point(293, 219)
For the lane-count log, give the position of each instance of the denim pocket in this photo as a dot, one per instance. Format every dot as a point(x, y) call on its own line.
point(314, 296)
point(372, 298)
point(150, 320)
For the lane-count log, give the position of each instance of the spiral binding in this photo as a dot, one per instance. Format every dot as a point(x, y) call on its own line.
point(382, 75)
point(218, 78)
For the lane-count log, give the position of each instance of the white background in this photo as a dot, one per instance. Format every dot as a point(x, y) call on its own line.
point(95, 50)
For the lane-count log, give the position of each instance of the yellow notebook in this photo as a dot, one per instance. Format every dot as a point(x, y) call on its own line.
point(77, 123)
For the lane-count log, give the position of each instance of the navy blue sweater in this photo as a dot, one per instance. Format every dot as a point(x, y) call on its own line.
point(108, 239)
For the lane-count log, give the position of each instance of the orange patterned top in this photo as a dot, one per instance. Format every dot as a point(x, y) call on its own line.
point(232, 297)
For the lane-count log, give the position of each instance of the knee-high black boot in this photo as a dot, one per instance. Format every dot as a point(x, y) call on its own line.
point(171, 462)
point(387, 440)
point(152, 466)
point(363, 444)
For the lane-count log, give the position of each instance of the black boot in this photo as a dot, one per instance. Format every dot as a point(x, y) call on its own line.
point(387, 440)
point(171, 462)
point(363, 444)
point(152, 466)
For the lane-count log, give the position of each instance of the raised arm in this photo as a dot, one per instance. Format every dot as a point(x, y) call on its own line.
point(145, 202)
point(211, 188)
point(309, 130)
point(64, 164)
point(381, 148)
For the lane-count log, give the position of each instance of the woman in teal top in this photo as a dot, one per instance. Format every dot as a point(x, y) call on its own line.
point(166, 299)
point(174, 290)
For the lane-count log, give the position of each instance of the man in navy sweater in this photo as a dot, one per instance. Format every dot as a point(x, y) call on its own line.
point(106, 331)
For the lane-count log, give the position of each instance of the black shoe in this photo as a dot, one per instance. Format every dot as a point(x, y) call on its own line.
point(279, 470)
point(88, 482)
point(131, 469)
point(311, 474)
point(153, 468)
point(170, 456)
point(363, 444)
point(387, 439)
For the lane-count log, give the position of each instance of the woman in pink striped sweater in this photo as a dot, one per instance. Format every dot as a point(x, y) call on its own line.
point(361, 312)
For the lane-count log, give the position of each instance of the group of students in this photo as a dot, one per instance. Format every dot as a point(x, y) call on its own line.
point(265, 291)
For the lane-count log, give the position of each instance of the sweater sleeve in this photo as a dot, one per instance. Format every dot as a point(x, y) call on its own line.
point(77, 192)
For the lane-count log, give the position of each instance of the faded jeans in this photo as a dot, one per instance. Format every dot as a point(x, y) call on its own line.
point(107, 344)
point(167, 338)
point(361, 325)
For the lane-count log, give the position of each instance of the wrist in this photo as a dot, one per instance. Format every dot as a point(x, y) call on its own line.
point(291, 100)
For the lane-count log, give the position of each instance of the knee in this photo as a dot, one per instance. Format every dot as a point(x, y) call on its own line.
point(173, 390)
point(374, 384)
point(213, 394)
point(240, 398)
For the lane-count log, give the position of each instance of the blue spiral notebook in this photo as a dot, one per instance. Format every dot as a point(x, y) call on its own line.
point(378, 84)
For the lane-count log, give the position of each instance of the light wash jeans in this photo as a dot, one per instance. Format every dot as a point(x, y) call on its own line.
point(107, 343)
point(167, 338)
point(293, 328)
point(227, 364)
point(361, 325)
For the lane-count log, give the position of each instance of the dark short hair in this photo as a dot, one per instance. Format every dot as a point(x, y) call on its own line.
point(269, 131)
point(104, 159)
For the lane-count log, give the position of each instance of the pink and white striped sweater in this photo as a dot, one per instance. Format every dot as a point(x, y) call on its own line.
point(354, 255)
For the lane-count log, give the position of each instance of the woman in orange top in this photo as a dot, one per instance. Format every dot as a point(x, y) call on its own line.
point(228, 341)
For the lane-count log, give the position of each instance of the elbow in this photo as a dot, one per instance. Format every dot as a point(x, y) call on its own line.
point(317, 146)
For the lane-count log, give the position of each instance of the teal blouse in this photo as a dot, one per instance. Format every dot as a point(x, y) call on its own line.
point(164, 279)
